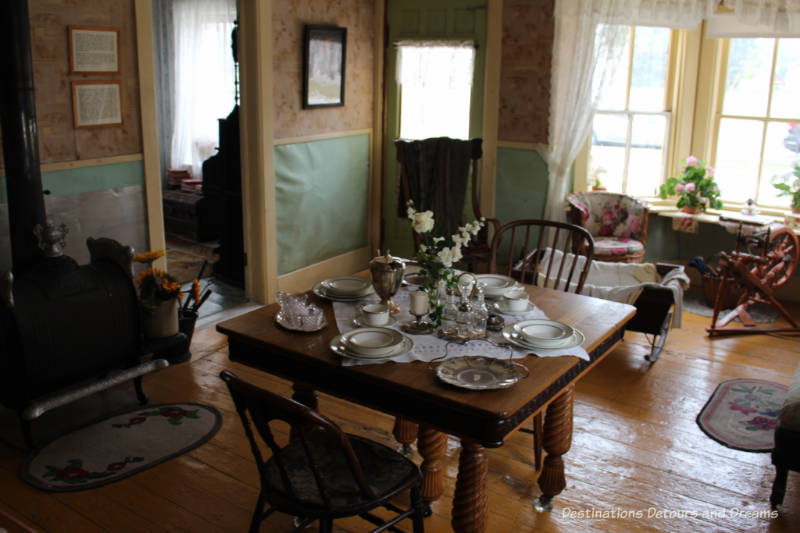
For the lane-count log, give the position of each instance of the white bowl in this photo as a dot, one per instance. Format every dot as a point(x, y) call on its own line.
point(374, 314)
point(372, 341)
point(347, 286)
point(495, 285)
point(516, 303)
point(543, 333)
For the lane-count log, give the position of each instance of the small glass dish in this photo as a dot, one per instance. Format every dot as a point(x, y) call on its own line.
point(297, 314)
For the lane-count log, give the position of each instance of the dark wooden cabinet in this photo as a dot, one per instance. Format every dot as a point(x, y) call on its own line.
point(222, 189)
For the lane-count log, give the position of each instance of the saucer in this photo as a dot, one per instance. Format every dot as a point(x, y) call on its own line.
point(502, 307)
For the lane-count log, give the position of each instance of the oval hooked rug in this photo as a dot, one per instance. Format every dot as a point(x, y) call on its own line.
point(742, 413)
point(120, 446)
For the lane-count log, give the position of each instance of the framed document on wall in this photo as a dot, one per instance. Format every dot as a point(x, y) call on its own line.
point(324, 52)
point(93, 50)
point(96, 103)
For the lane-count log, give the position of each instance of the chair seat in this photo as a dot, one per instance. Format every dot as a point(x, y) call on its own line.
point(386, 471)
point(611, 246)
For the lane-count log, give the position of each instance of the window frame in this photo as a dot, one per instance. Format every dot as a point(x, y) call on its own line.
point(679, 104)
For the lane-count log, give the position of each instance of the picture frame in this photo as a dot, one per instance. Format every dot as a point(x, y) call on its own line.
point(93, 50)
point(324, 55)
point(97, 103)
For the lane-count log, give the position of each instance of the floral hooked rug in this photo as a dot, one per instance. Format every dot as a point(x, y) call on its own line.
point(741, 414)
point(120, 446)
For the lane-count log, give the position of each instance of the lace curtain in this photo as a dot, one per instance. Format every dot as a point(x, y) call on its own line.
point(587, 42)
point(203, 82)
point(780, 15)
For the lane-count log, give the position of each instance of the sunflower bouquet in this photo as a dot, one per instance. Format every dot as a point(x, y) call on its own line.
point(155, 285)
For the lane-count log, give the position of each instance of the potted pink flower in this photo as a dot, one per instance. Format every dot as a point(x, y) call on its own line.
point(695, 188)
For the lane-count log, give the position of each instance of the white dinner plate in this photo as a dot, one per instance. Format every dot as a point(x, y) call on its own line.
point(502, 306)
point(372, 341)
point(517, 340)
point(495, 285)
point(347, 286)
point(339, 347)
point(320, 291)
point(543, 333)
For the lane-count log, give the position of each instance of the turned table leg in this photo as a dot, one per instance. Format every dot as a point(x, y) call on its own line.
point(557, 439)
point(470, 508)
point(405, 432)
point(431, 445)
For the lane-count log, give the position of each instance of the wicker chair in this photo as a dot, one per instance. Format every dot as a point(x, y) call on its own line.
point(617, 222)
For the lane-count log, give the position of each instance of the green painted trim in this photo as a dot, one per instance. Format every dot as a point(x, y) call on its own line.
point(521, 184)
point(321, 200)
point(88, 179)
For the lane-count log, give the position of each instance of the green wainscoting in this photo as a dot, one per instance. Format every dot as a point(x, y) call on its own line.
point(321, 199)
point(88, 179)
point(664, 243)
point(521, 190)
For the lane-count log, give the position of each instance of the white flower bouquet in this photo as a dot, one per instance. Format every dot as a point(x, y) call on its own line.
point(437, 254)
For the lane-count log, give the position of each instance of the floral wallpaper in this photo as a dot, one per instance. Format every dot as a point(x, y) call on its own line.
point(58, 139)
point(525, 70)
point(288, 19)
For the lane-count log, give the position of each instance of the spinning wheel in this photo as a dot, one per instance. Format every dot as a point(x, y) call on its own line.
point(768, 263)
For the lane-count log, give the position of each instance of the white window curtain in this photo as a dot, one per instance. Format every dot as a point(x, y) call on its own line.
point(779, 15)
point(587, 44)
point(204, 78)
point(436, 80)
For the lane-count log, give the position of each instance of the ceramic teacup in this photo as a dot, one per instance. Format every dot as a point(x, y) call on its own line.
point(516, 301)
point(375, 314)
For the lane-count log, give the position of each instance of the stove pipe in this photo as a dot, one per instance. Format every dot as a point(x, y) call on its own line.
point(20, 140)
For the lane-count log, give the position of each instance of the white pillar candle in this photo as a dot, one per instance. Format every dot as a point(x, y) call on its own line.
point(419, 303)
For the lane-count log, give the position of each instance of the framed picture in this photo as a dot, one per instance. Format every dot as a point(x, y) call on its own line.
point(324, 52)
point(93, 50)
point(96, 103)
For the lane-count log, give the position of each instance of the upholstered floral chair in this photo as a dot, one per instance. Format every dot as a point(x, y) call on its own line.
point(617, 222)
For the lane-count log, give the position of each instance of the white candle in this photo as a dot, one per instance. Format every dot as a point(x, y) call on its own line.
point(419, 303)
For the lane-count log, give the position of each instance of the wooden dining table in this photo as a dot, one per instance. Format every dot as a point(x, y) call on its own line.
point(411, 391)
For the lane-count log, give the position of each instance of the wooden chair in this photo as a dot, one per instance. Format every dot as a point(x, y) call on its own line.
point(435, 174)
point(323, 473)
point(617, 223)
point(528, 247)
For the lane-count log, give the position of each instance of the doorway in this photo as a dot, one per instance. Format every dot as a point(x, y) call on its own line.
point(434, 88)
point(197, 99)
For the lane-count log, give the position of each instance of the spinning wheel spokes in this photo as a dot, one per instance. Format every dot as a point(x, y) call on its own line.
point(782, 253)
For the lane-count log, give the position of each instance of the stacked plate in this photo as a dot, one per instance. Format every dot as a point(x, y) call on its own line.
point(495, 285)
point(371, 343)
point(542, 334)
point(345, 289)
